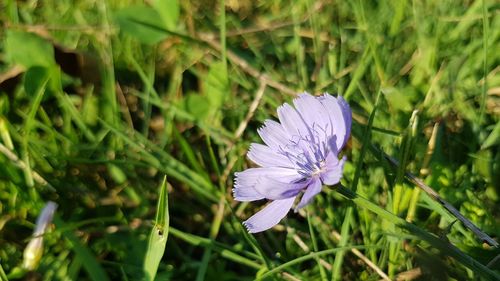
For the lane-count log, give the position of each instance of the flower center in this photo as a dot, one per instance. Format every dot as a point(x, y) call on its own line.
point(308, 152)
point(318, 169)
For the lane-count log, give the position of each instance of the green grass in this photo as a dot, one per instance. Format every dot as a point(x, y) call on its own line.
point(100, 100)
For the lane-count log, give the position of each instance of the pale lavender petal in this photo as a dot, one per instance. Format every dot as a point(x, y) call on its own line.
point(270, 216)
point(333, 169)
point(311, 191)
point(246, 194)
point(314, 114)
point(45, 218)
point(336, 116)
point(263, 155)
point(292, 122)
point(332, 143)
point(346, 112)
point(276, 189)
point(244, 183)
point(273, 134)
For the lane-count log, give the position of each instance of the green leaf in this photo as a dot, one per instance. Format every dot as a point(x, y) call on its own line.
point(397, 99)
point(197, 105)
point(216, 86)
point(141, 22)
point(28, 49)
point(159, 234)
point(169, 11)
point(35, 79)
point(493, 138)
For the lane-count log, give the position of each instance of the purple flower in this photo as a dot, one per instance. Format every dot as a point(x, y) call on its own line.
point(300, 154)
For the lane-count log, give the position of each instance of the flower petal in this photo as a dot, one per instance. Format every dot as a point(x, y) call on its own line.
point(311, 191)
point(292, 122)
point(264, 156)
point(244, 182)
point(346, 112)
point(273, 134)
point(336, 114)
point(276, 189)
point(332, 143)
point(333, 169)
point(246, 194)
point(314, 114)
point(270, 216)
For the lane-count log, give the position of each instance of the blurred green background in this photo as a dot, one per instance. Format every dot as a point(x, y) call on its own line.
point(100, 99)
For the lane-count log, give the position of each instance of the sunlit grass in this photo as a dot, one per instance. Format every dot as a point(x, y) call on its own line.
point(99, 100)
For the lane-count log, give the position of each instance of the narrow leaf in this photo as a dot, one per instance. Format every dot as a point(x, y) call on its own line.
point(141, 22)
point(89, 261)
point(169, 11)
point(158, 236)
point(28, 49)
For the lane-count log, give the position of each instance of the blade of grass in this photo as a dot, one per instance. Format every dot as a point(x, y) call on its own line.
point(405, 150)
point(189, 153)
point(148, 81)
point(299, 48)
point(358, 74)
point(110, 105)
point(3, 276)
point(168, 163)
point(444, 246)
point(40, 77)
point(22, 165)
point(309, 256)
point(379, 154)
point(424, 170)
point(213, 159)
point(218, 247)
point(207, 40)
point(256, 247)
point(222, 33)
point(359, 12)
point(435, 196)
point(159, 234)
point(90, 263)
point(68, 105)
point(322, 271)
point(214, 230)
point(339, 258)
point(4, 134)
point(259, 253)
point(219, 134)
point(399, 189)
point(485, 63)
point(363, 258)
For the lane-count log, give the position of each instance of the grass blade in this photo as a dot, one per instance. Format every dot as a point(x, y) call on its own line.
point(89, 261)
point(348, 218)
point(309, 256)
point(315, 247)
point(442, 245)
point(158, 236)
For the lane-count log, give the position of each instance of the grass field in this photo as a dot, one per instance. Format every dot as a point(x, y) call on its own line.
point(101, 101)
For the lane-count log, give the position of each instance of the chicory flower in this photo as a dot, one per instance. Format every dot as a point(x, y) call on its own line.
point(301, 153)
point(34, 250)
